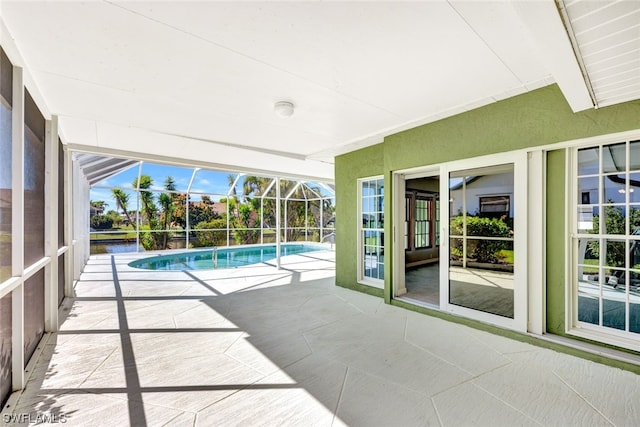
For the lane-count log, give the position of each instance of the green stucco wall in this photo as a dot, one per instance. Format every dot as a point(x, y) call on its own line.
point(363, 163)
point(555, 245)
point(538, 118)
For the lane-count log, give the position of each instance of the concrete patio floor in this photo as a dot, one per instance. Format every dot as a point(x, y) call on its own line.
point(259, 346)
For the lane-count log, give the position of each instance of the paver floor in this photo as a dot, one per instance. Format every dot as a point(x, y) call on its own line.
point(257, 346)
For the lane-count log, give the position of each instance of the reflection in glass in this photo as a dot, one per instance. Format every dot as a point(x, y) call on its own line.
point(615, 254)
point(589, 281)
point(634, 315)
point(481, 259)
point(613, 314)
point(588, 255)
point(608, 270)
point(373, 254)
point(634, 187)
point(589, 309)
point(614, 188)
point(615, 218)
point(588, 161)
point(588, 190)
point(588, 219)
point(614, 157)
point(634, 155)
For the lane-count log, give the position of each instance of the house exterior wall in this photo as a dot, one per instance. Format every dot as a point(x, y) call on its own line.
point(353, 166)
point(538, 118)
point(489, 185)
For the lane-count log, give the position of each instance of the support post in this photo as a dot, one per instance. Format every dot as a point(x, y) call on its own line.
point(17, 230)
point(51, 226)
point(278, 223)
point(68, 224)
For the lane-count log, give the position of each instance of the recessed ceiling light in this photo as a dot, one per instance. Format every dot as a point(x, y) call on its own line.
point(284, 108)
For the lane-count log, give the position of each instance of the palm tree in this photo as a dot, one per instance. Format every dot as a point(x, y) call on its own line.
point(99, 205)
point(122, 202)
point(166, 201)
point(149, 210)
point(146, 197)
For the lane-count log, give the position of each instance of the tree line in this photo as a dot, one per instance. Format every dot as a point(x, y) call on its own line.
point(163, 214)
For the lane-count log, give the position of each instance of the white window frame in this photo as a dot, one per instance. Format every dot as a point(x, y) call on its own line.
point(520, 203)
point(362, 279)
point(573, 326)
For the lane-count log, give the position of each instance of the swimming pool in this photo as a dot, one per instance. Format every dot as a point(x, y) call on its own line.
point(226, 258)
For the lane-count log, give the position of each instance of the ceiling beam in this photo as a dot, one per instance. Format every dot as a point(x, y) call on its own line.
point(542, 20)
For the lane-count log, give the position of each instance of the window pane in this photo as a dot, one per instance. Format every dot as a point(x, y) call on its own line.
point(588, 219)
point(634, 187)
point(614, 157)
point(634, 314)
point(588, 191)
point(589, 309)
point(484, 280)
point(613, 314)
point(588, 161)
point(371, 205)
point(615, 220)
point(481, 269)
point(615, 254)
point(614, 188)
point(634, 155)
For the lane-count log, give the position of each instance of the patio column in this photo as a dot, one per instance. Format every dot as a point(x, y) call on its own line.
point(278, 223)
point(51, 226)
point(17, 231)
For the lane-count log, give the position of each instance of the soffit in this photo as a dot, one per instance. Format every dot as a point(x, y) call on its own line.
point(607, 40)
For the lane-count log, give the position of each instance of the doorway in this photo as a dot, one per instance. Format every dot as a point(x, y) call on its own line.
point(460, 238)
point(422, 239)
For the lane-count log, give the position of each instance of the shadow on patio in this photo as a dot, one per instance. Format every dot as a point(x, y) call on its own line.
point(260, 346)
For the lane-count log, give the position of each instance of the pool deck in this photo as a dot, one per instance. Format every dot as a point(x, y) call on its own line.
point(259, 346)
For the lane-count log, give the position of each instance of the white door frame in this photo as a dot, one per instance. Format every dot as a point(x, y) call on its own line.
point(398, 211)
point(519, 159)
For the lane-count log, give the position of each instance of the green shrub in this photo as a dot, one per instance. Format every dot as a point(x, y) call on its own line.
point(487, 251)
point(101, 222)
point(209, 233)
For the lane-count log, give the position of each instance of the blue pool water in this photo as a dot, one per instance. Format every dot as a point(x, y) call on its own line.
point(226, 258)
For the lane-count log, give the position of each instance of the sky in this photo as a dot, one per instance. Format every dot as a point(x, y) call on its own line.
point(215, 183)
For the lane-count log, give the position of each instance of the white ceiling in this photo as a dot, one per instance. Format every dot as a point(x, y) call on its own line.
point(197, 81)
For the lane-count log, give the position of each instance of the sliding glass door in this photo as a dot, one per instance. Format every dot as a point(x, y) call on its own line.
point(481, 237)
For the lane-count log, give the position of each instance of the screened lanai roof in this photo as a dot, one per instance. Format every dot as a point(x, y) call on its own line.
point(97, 168)
point(109, 172)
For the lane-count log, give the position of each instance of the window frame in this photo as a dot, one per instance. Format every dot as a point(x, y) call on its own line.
point(573, 326)
point(362, 278)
